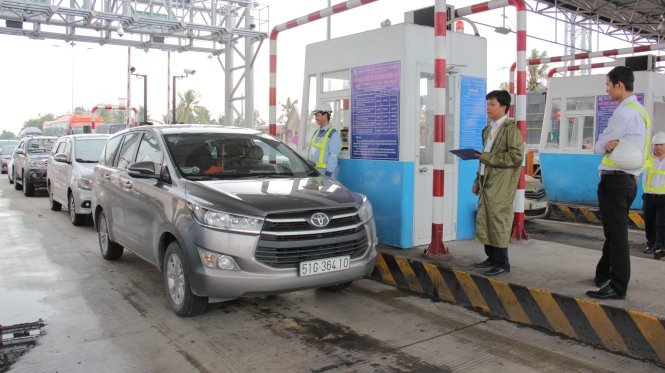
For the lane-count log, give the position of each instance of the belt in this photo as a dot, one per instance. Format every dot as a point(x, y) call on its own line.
point(614, 172)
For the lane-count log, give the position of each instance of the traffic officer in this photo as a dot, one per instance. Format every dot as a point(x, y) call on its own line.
point(326, 142)
point(653, 205)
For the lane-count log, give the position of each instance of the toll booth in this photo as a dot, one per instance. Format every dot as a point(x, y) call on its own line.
point(577, 110)
point(380, 84)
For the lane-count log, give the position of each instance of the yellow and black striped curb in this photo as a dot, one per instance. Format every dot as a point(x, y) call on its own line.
point(633, 333)
point(589, 214)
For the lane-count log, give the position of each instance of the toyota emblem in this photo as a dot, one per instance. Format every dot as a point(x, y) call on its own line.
point(319, 220)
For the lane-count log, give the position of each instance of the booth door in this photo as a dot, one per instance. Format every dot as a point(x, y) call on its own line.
point(424, 165)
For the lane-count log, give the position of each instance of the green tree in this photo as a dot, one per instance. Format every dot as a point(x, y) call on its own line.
point(7, 135)
point(186, 106)
point(536, 74)
point(38, 122)
point(202, 115)
point(286, 110)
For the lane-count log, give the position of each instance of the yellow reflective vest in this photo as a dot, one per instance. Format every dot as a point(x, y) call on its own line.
point(320, 143)
point(650, 172)
point(647, 144)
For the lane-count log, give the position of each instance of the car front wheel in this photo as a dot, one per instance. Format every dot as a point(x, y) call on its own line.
point(17, 186)
point(76, 219)
point(176, 283)
point(110, 250)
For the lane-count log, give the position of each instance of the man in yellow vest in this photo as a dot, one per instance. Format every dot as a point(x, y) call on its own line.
point(326, 142)
point(629, 125)
point(653, 198)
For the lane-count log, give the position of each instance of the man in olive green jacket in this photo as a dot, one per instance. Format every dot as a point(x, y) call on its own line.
point(496, 182)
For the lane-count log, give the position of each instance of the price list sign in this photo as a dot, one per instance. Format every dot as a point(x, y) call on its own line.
point(605, 108)
point(375, 111)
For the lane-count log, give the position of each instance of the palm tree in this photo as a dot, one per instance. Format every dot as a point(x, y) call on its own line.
point(185, 108)
point(286, 110)
point(536, 74)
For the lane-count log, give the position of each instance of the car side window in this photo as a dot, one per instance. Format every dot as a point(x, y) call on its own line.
point(149, 150)
point(111, 150)
point(57, 147)
point(128, 150)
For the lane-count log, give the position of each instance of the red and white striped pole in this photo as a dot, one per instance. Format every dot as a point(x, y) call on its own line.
point(597, 65)
point(518, 231)
point(272, 94)
point(581, 56)
point(436, 248)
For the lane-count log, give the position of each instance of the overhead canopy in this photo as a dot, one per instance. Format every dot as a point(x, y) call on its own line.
point(635, 21)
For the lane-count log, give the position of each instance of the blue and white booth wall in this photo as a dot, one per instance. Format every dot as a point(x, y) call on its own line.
point(472, 118)
point(573, 178)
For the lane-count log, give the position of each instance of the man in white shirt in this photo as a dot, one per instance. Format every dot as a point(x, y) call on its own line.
point(617, 188)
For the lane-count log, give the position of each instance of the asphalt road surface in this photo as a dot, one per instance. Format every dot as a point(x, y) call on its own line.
point(106, 316)
point(582, 235)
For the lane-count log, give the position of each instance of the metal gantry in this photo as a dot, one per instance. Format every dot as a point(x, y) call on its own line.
point(214, 27)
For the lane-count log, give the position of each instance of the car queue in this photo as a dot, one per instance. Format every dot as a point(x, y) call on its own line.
point(222, 212)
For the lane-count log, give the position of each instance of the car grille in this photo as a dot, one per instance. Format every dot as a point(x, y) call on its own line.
point(536, 194)
point(288, 239)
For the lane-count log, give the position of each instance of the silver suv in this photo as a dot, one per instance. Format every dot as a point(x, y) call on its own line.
point(69, 173)
point(213, 209)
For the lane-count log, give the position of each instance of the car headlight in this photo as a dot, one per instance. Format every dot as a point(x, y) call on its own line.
point(224, 220)
point(84, 183)
point(365, 211)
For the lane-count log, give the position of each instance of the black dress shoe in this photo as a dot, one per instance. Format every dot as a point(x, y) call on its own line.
point(495, 271)
point(488, 263)
point(658, 254)
point(606, 292)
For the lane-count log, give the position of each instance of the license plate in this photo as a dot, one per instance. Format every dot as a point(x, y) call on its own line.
point(538, 205)
point(315, 267)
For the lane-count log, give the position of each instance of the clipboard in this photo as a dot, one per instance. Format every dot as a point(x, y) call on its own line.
point(466, 154)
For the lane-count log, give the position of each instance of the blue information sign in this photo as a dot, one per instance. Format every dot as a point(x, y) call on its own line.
point(473, 113)
point(375, 111)
point(604, 109)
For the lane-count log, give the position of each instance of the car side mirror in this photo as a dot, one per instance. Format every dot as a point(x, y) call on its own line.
point(143, 170)
point(19, 151)
point(61, 157)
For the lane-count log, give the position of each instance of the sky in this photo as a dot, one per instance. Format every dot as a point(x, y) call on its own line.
point(49, 76)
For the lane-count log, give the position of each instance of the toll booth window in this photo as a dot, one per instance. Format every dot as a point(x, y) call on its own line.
point(426, 118)
point(552, 141)
point(580, 113)
point(335, 81)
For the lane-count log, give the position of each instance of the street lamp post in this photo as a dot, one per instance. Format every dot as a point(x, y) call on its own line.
point(187, 73)
point(145, 92)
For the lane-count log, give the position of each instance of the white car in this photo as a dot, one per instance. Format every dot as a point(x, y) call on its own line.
point(69, 173)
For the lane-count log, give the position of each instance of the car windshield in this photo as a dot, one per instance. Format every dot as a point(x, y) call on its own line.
point(37, 146)
point(89, 150)
point(203, 156)
point(8, 150)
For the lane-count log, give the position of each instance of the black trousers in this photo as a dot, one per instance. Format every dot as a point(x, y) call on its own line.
point(653, 207)
point(615, 195)
point(498, 255)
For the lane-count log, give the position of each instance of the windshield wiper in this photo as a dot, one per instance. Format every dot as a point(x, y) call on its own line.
point(85, 160)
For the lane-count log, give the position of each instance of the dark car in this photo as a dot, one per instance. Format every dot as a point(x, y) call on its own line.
point(30, 158)
point(6, 153)
point(215, 211)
